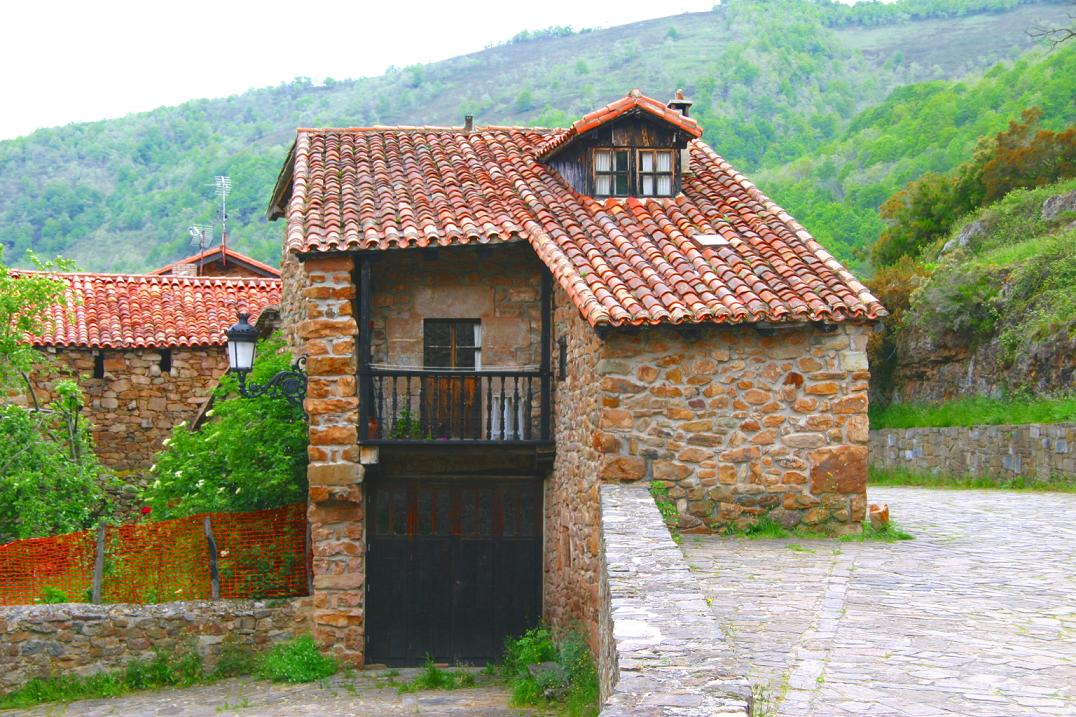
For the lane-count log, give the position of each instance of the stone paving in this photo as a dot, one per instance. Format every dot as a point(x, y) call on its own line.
point(366, 693)
point(976, 616)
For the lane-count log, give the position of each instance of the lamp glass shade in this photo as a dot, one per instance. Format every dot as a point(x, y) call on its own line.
point(242, 342)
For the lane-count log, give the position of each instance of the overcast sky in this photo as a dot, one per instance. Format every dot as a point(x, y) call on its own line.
point(75, 61)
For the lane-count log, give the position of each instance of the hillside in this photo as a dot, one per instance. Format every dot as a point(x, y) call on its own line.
point(776, 85)
point(996, 315)
point(836, 189)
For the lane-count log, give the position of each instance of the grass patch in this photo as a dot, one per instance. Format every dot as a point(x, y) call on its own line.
point(667, 508)
point(297, 660)
point(920, 479)
point(766, 528)
point(975, 411)
point(888, 533)
point(433, 677)
point(569, 683)
point(164, 670)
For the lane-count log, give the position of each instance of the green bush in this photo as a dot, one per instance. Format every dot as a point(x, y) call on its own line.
point(574, 685)
point(298, 660)
point(50, 480)
point(249, 455)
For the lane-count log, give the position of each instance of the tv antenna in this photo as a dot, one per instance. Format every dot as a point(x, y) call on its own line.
point(224, 187)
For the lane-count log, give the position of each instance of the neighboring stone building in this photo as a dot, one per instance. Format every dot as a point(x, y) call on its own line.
point(497, 319)
point(147, 350)
point(218, 261)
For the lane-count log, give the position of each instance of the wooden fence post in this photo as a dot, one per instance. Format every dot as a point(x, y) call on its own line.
point(214, 574)
point(309, 558)
point(98, 565)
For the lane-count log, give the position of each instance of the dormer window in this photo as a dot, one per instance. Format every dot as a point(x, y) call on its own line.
point(633, 172)
point(633, 147)
point(655, 173)
point(611, 172)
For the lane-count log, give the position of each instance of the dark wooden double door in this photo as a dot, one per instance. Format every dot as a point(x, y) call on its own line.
point(454, 567)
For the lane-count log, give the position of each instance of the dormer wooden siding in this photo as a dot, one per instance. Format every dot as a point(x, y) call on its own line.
point(634, 131)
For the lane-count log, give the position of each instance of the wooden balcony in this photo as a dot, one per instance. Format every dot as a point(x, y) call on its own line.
point(443, 407)
point(436, 407)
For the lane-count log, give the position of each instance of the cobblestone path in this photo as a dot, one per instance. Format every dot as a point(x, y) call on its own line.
point(976, 616)
point(362, 694)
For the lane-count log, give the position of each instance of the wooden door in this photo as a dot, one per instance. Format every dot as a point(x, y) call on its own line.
point(454, 567)
point(452, 403)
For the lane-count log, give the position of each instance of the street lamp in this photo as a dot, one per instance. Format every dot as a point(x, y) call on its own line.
point(242, 345)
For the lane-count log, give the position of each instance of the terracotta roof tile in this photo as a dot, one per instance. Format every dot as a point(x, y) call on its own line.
point(119, 311)
point(622, 261)
point(634, 101)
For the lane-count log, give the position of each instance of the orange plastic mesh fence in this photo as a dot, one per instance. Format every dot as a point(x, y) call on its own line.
point(259, 554)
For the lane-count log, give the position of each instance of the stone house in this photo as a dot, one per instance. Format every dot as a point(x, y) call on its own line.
point(147, 351)
point(497, 319)
point(218, 261)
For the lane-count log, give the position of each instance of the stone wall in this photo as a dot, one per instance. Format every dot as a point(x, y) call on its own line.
point(44, 640)
point(498, 285)
point(572, 510)
point(293, 281)
point(661, 650)
point(738, 424)
point(1040, 452)
point(327, 334)
point(134, 407)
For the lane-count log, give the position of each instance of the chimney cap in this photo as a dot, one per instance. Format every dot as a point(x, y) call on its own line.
point(680, 103)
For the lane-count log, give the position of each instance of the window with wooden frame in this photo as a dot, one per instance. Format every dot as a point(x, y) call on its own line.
point(655, 173)
point(452, 343)
point(611, 172)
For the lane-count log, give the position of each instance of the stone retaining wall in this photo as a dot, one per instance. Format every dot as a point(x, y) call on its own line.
point(661, 651)
point(43, 640)
point(1036, 451)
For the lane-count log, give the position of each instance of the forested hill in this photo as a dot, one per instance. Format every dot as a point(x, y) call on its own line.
point(797, 93)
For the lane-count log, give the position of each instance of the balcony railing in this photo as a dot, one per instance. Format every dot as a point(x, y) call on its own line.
point(431, 406)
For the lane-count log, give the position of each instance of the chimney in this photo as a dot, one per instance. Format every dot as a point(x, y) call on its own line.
point(468, 123)
point(680, 103)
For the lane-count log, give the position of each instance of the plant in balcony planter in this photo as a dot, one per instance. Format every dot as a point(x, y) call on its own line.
point(406, 425)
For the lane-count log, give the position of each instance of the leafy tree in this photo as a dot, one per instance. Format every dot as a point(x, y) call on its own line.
point(50, 481)
point(25, 302)
point(250, 454)
point(894, 286)
point(1020, 157)
point(49, 476)
point(1024, 158)
point(920, 213)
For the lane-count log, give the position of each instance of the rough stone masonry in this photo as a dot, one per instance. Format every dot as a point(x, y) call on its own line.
point(46, 640)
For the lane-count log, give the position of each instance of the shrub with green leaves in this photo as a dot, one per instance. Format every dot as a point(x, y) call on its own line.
point(298, 660)
point(249, 454)
point(49, 475)
point(573, 682)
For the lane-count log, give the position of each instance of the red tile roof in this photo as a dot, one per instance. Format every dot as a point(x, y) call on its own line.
point(623, 262)
point(119, 311)
point(635, 101)
point(215, 254)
